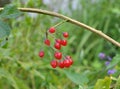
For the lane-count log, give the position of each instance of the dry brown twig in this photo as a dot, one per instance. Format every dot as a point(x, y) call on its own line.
point(70, 20)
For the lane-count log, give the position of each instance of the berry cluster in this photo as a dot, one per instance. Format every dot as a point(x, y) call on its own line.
point(60, 60)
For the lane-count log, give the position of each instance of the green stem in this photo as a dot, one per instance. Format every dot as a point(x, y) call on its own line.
point(60, 23)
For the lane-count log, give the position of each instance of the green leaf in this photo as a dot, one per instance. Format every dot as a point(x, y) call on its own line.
point(2, 43)
point(79, 79)
point(4, 29)
point(103, 83)
point(114, 62)
point(117, 86)
point(10, 11)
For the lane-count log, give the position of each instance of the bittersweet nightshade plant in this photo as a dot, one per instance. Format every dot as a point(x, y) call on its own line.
point(52, 30)
point(63, 42)
point(60, 60)
point(58, 55)
point(65, 34)
point(58, 41)
point(66, 61)
point(67, 19)
point(61, 64)
point(41, 54)
point(57, 45)
point(54, 63)
point(47, 42)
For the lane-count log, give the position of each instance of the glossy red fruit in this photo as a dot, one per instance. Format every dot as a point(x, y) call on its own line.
point(64, 42)
point(41, 54)
point(52, 30)
point(47, 42)
point(67, 63)
point(58, 55)
point(65, 34)
point(57, 45)
point(54, 63)
point(61, 64)
point(71, 61)
point(68, 57)
point(58, 40)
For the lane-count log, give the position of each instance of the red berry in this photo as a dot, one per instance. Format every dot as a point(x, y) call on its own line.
point(67, 63)
point(54, 63)
point(68, 57)
point(58, 55)
point(52, 30)
point(61, 64)
point(58, 40)
point(47, 42)
point(41, 54)
point(64, 42)
point(57, 45)
point(65, 34)
point(71, 61)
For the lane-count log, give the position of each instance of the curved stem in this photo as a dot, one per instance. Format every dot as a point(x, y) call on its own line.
point(70, 20)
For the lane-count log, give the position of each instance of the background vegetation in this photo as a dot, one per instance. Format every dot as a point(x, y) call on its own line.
point(21, 67)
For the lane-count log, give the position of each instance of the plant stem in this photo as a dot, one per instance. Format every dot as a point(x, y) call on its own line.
point(60, 23)
point(70, 20)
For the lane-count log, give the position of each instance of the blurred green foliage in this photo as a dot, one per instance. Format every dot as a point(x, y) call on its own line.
point(21, 68)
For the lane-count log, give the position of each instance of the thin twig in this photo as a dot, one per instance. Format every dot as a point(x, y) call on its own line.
point(70, 20)
point(60, 23)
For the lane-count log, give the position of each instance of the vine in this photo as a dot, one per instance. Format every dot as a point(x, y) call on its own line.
point(70, 20)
